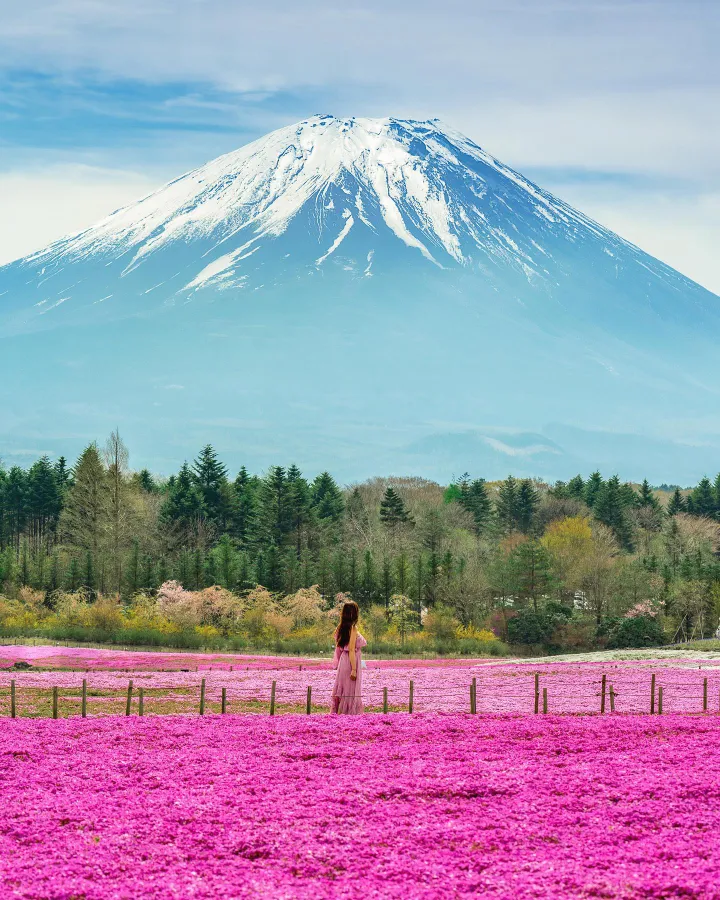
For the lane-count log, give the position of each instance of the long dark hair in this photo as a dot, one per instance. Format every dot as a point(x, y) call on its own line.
point(348, 617)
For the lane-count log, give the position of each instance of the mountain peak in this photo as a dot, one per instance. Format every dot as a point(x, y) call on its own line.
point(346, 283)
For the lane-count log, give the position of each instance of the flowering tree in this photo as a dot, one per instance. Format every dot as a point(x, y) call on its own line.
point(305, 606)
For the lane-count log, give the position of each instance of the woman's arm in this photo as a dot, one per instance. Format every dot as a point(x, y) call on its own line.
point(351, 650)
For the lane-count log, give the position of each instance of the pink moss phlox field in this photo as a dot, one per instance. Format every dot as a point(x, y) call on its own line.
point(502, 687)
point(375, 806)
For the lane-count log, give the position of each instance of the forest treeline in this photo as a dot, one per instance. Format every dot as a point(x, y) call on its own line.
point(97, 547)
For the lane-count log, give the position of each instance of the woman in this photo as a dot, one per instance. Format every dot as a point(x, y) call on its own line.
point(347, 693)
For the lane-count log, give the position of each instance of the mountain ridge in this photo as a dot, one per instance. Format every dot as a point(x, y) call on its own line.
point(418, 278)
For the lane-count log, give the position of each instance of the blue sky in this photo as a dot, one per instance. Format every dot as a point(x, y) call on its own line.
point(613, 105)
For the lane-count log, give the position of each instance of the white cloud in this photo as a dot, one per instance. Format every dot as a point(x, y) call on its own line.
point(681, 229)
point(39, 206)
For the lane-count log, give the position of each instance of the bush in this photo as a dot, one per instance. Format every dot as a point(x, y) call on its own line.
point(635, 632)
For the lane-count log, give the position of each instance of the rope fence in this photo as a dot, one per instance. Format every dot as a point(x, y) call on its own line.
point(532, 695)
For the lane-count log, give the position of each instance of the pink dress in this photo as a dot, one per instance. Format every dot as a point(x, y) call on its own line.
point(347, 694)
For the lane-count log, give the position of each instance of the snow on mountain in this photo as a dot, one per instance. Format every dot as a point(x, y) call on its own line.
point(433, 292)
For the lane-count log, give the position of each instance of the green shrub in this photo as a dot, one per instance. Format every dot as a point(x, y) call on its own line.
point(635, 632)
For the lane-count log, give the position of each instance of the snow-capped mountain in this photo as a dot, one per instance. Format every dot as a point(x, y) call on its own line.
point(355, 288)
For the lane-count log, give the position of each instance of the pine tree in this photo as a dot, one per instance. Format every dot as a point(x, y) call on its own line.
point(531, 569)
point(367, 580)
point(184, 505)
point(476, 500)
point(392, 510)
point(63, 476)
point(646, 497)
point(610, 509)
point(592, 488)
point(716, 492)
point(146, 482)
point(702, 500)
point(72, 579)
point(628, 497)
point(243, 507)
point(120, 509)
point(210, 476)
point(88, 576)
point(86, 517)
point(386, 582)
point(274, 520)
point(15, 501)
point(506, 506)
point(298, 505)
point(225, 561)
point(576, 488)
point(326, 499)
point(402, 573)
point(44, 503)
point(528, 501)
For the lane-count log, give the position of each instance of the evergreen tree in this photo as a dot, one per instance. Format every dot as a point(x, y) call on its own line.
point(274, 513)
point(386, 582)
point(86, 516)
point(528, 501)
point(147, 482)
point(298, 505)
point(702, 501)
point(646, 497)
point(72, 579)
point(716, 492)
point(326, 499)
point(243, 507)
point(402, 574)
point(506, 505)
point(367, 580)
point(531, 569)
point(592, 488)
point(609, 508)
point(392, 510)
point(476, 500)
point(628, 497)
point(147, 574)
point(63, 476)
point(576, 488)
point(225, 561)
point(88, 576)
point(15, 505)
point(184, 504)
point(210, 476)
point(44, 503)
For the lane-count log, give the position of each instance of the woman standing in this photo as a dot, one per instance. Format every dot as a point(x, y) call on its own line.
point(347, 693)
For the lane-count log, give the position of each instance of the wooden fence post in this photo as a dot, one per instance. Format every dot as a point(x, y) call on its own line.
point(537, 693)
point(612, 699)
point(544, 700)
point(602, 698)
point(272, 698)
point(704, 694)
point(12, 699)
point(660, 699)
point(412, 696)
point(128, 701)
point(473, 696)
point(224, 701)
point(652, 695)
point(55, 703)
point(202, 697)
point(141, 702)
point(385, 703)
point(83, 705)
point(308, 703)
